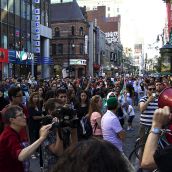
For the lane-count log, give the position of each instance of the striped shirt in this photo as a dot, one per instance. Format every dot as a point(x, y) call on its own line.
point(147, 115)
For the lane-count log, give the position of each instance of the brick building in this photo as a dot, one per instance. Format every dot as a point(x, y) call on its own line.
point(69, 42)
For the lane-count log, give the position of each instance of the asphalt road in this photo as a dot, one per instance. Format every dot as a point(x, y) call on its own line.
point(131, 137)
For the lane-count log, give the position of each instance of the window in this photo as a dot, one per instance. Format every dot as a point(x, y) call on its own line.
point(4, 4)
point(17, 8)
point(57, 32)
point(60, 48)
point(4, 36)
point(81, 48)
point(11, 6)
point(11, 38)
point(108, 8)
point(73, 30)
point(23, 9)
point(81, 31)
point(53, 49)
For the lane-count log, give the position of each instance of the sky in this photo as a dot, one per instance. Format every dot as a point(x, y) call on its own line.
point(142, 20)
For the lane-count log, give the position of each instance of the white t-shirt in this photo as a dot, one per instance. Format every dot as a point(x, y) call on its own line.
point(130, 111)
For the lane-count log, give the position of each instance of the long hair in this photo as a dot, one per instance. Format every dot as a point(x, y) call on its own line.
point(86, 101)
point(94, 105)
point(31, 103)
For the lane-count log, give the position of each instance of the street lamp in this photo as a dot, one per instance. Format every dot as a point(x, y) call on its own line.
point(70, 46)
point(166, 57)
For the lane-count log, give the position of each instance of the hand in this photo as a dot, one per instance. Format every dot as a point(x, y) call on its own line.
point(161, 117)
point(151, 98)
point(44, 131)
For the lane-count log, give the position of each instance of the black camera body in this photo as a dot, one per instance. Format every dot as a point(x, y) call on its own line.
point(66, 117)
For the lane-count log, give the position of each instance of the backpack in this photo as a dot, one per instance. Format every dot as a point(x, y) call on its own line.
point(87, 130)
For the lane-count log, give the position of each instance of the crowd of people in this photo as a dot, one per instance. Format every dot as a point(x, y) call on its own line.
point(43, 119)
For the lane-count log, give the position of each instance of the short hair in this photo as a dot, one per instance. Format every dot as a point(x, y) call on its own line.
point(104, 157)
point(61, 91)
point(10, 112)
point(51, 104)
point(12, 92)
point(49, 94)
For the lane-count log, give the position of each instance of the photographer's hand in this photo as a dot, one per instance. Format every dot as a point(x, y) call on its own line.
point(26, 152)
point(161, 117)
point(43, 132)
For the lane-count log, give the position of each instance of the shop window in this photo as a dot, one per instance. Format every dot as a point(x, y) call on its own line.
point(81, 31)
point(73, 30)
point(81, 48)
point(4, 40)
point(60, 48)
point(11, 38)
point(57, 32)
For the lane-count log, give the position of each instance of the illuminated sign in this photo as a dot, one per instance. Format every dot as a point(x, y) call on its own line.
point(78, 62)
point(24, 55)
point(112, 37)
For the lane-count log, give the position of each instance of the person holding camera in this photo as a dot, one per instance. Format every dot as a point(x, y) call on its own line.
point(53, 145)
point(14, 153)
point(153, 157)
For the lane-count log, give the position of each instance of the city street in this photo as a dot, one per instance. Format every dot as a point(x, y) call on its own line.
point(131, 136)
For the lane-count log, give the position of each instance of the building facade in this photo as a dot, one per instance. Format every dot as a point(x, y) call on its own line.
point(20, 51)
point(69, 45)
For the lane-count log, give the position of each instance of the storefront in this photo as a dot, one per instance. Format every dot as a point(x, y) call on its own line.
point(20, 63)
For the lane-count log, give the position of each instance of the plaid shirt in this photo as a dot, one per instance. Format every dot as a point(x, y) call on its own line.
point(49, 159)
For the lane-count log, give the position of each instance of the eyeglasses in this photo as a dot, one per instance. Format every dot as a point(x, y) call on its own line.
point(21, 114)
point(151, 89)
point(19, 96)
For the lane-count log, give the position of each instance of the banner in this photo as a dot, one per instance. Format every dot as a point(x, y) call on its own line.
point(3, 55)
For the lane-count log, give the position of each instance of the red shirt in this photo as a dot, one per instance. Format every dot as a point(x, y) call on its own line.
point(10, 148)
point(23, 132)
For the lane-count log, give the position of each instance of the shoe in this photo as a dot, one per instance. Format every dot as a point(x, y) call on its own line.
point(33, 156)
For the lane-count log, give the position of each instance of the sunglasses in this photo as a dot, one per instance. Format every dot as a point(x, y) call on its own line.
point(151, 89)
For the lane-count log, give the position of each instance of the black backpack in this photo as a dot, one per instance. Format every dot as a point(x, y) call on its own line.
point(87, 130)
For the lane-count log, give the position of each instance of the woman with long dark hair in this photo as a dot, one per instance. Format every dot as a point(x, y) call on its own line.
point(82, 110)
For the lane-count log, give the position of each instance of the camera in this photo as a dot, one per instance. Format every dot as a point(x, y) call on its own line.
point(66, 118)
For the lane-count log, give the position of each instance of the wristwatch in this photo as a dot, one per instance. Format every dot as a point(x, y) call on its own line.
point(156, 130)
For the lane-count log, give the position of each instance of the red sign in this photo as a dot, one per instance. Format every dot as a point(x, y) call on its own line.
point(3, 55)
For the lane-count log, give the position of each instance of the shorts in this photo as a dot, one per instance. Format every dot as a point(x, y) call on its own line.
point(130, 119)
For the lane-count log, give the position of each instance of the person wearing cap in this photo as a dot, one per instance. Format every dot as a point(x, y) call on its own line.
point(111, 128)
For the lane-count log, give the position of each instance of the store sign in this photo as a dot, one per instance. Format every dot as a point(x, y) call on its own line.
point(3, 55)
point(24, 55)
point(20, 57)
point(78, 62)
point(36, 26)
point(112, 37)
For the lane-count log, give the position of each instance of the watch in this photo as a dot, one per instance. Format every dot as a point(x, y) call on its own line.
point(156, 130)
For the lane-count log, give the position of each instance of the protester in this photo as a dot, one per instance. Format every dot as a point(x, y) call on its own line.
point(95, 115)
point(12, 151)
point(93, 156)
point(111, 127)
